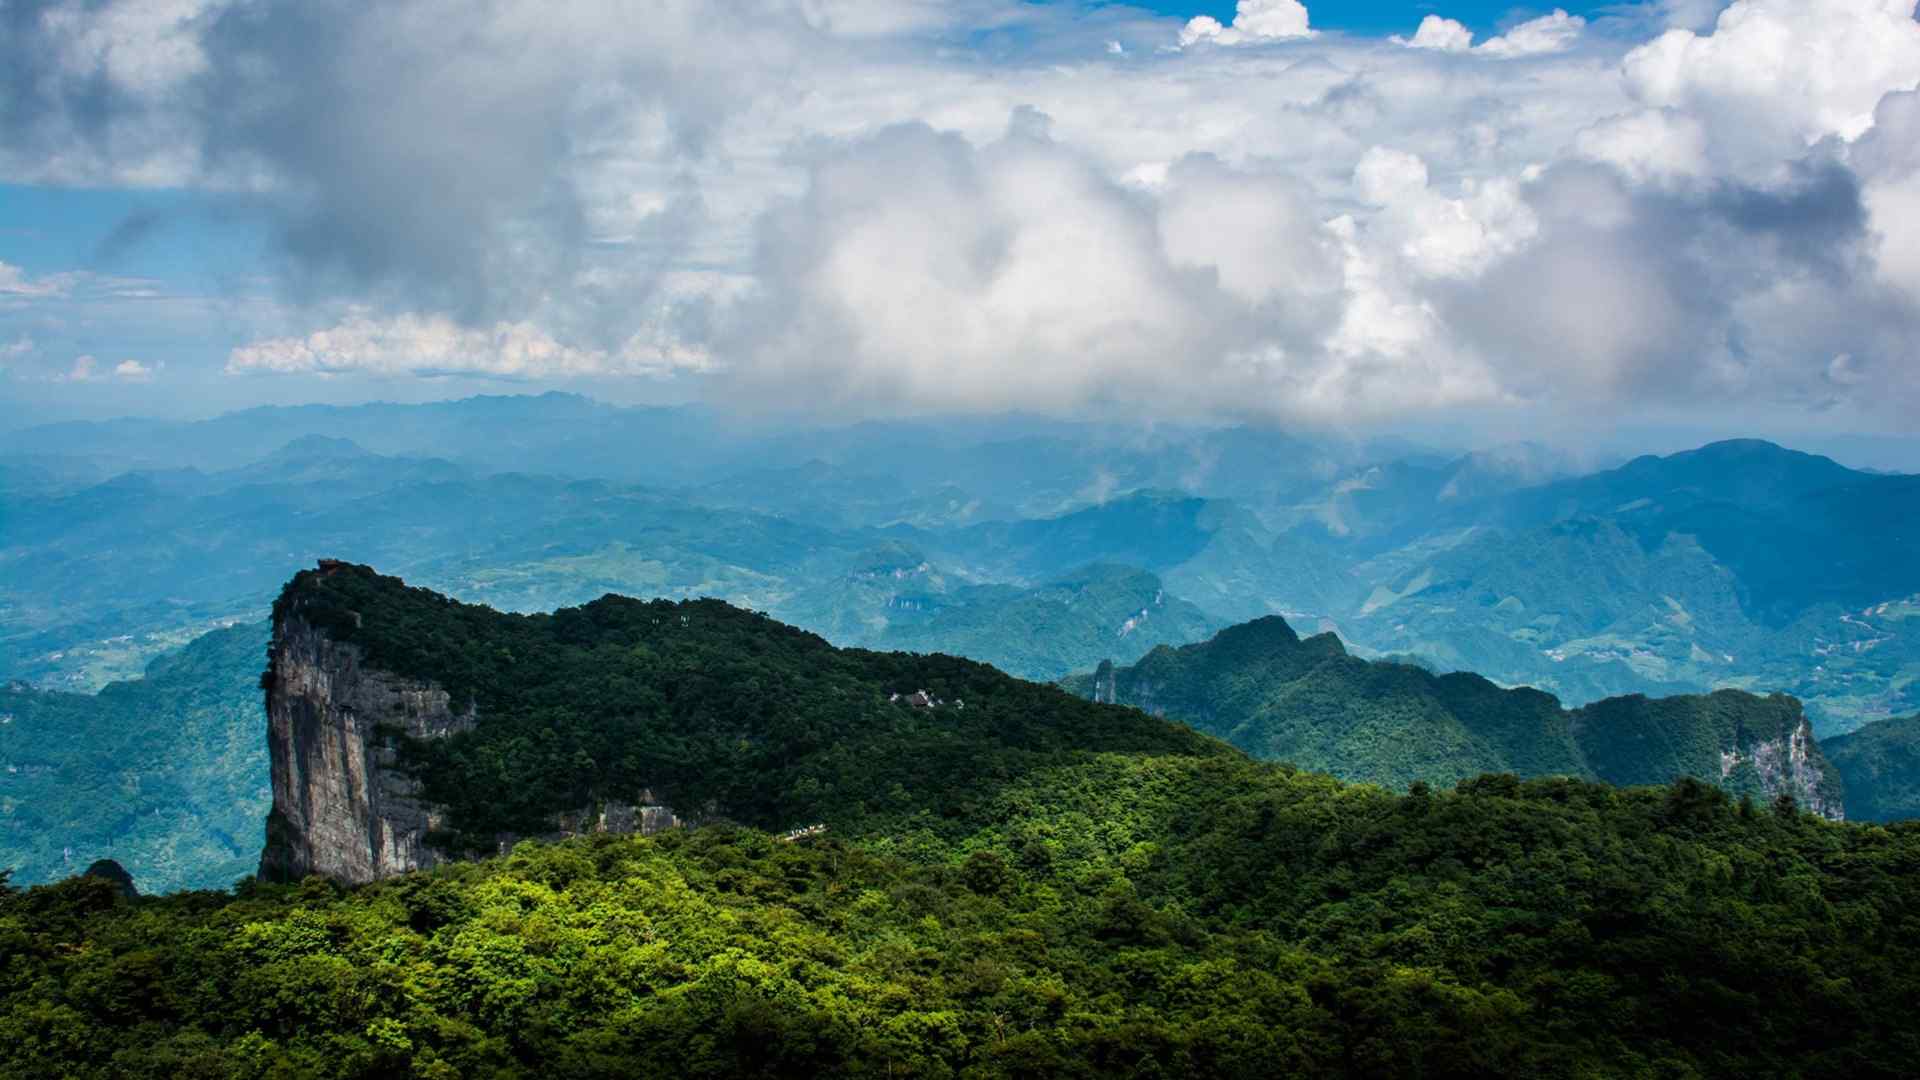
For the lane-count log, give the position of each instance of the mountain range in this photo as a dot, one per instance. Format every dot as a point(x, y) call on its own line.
point(715, 845)
point(1739, 565)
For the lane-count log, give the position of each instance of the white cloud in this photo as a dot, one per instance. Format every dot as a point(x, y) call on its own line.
point(1889, 159)
point(89, 369)
point(1650, 145)
point(1804, 68)
point(1344, 226)
point(1436, 235)
point(1543, 36)
point(1443, 35)
point(414, 344)
point(16, 282)
point(1253, 21)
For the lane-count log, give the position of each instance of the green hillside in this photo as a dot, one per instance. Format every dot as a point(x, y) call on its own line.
point(1281, 698)
point(1881, 766)
point(166, 774)
point(705, 705)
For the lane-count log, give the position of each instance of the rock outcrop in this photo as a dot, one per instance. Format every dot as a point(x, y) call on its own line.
point(343, 807)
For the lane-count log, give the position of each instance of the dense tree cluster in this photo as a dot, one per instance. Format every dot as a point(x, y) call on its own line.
point(1137, 915)
point(1040, 887)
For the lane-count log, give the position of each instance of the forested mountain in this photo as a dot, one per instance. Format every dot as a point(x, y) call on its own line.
point(1281, 698)
point(1028, 884)
point(696, 705)
point(1880, 763)
point(165, 774)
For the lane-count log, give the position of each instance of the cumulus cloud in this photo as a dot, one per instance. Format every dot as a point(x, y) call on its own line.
point(921, 271)
point(18, 283)
point(1803, 68)
point(90, 369)
point(1889, 161)
point(1253, 21)
point(1650, 145)
point(1552, 33)
point(434, 345)
point(1443, 35)
point(1436, 235)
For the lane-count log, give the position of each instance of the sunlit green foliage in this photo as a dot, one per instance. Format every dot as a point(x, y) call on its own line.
point(1142, 916)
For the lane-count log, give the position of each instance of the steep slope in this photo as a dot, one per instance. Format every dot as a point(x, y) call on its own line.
point(1267, 691)
point(1880, 763)
point(405, 727)
point(166, 774)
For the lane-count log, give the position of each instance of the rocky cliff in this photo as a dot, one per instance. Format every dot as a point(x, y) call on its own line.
point(343, 807)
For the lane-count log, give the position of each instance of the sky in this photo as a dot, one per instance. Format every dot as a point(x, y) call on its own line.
point(1528, 221)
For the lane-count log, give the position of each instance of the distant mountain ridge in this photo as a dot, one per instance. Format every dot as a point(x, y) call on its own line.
point(1308, 701)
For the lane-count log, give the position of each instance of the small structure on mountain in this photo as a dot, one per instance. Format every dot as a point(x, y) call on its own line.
point(919, 699)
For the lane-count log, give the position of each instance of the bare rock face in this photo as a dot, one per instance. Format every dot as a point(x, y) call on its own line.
point(342, 806)
point(1791, 765)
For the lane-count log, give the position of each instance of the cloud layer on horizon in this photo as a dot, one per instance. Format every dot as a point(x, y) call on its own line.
point(865, 205)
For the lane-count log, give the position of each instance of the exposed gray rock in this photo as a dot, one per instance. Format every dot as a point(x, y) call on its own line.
point(343, 807)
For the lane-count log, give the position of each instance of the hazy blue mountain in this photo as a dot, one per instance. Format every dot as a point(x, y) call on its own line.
point(1740, 564)
point(164, 553)
point(1050, 630)
point(1213, 552)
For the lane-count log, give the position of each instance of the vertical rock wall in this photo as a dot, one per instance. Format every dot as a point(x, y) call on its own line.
point(342, 807)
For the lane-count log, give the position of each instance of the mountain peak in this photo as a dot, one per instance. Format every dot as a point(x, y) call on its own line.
point(1266, 632)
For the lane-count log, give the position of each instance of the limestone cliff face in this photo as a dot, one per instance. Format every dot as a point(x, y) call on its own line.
point(1791, 765)
point(342, 806)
